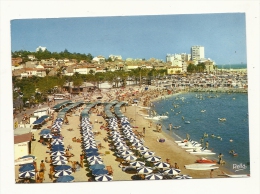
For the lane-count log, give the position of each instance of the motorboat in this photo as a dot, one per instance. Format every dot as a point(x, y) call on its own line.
point(192, 146)
point(176, 127)
point(203, 111)
point(222, 119)
point(187, 122)
point(205, 160)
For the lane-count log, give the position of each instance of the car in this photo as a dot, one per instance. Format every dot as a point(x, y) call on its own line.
point(129, 170)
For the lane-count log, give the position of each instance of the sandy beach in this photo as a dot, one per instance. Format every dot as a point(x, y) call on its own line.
point(167, 150)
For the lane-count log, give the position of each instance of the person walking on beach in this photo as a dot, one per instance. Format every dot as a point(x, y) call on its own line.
point(211, 173)
point(42, 166)
point(220, 156)
point(144, 131)
point(170, 126)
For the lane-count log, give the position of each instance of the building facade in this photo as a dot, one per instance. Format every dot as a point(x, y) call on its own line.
point(197, 53)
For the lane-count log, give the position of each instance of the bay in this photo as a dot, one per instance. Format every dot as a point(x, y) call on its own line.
point(203, 110)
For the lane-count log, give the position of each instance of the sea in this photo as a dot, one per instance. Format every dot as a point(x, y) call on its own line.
point(203, 111)
point(232, 66)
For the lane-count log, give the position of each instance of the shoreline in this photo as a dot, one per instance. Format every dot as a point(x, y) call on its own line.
point(178, 154)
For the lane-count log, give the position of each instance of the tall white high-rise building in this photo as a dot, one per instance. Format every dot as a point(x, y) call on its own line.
point(197, 53)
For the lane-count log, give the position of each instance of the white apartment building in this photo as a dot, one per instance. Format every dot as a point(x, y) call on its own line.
point(197, 52)
point(177, 59)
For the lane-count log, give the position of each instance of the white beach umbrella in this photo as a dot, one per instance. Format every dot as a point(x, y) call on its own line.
point(161, 165)
point(129, 158)
point(104, 177)
point(62, 173)
point(172, 171)
point(122, 147)
point(154, 177)
point(125, 152)
point(59, 162)
point(138, 144)
point(59, 158)
point(147, 154)
point(137, 164)
point(143, 148)
point(92, 158)
point(154, 159)
point(58, 153)
point(97, 161)
point(182, 176)
point(144, 170)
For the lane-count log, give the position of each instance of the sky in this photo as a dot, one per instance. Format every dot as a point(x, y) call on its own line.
point(223, 35)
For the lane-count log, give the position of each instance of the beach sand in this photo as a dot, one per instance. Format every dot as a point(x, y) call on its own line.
point(167, 150)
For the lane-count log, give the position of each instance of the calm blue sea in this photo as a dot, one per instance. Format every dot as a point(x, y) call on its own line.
point(233, 107)
point(232, 66)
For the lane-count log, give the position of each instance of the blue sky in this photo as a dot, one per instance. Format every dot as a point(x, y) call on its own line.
point(222, 35)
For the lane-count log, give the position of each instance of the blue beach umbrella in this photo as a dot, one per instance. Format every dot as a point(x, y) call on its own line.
point(57, 146)
point(91, 150)
point(92, 158)
point(44, 132)
point(47, 136)
point(129, 158)
point(97, 166)
point(99, 172)
point(154, 159)
point(95, 162)
point(65, 179)
point(57, 153)
point(162, 165)
point(92, 154)
point(59, 158)
point(57, 149)
point(104, 177)
point(26, 167)
point(62, 173)
point(27, 174)
point(62, 167)
point(59, 162)
point(57, 143)
point(29, 156)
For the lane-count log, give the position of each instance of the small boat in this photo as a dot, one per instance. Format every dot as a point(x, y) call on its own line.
point(203, 111)
point(203, 168)
point(201, 151)
point(189, 145)
point(187, 122)
point(205, 160)
point(176, 127)
point(198, 165)
point(222, 119)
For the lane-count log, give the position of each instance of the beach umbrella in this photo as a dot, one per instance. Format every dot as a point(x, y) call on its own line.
point(57, 153)
point(27, 174)
point(154, 177)
point(62, 167)
point(59, 158)
point(59, 162)
point(183, 176)
point(92, 154)
point(44, 132)
point(161, 165)
point(57, 149)
point(26, 167)
point(29, 156)
point(47, 136)
point(142, 148)
point(62, 173)
point(137, 164)
point(117, 139)
point(92, 158)
point(95, 162)
point(119, 144)
point(147, 154)
point(154, 159)
point(57, 140)
point(99, 172)
point(135, 140)
point(129, 158)
point(137, 144)
point(91, 150)
point(122, 147)
point(57, 143)
point(125, 152)
point(144, 170)
point(104, 177)
point(172, 171)
point(97, 166)
point(91, 147)
point(65, 179)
